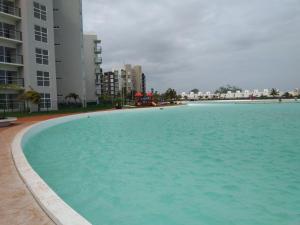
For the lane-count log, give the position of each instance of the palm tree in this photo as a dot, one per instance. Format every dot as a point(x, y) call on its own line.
point(72, 96)
point(31, 96)
point(170, 95)
point(274, 92)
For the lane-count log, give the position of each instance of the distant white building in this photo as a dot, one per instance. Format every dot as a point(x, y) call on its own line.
point(230, 94)
point(200, 95)
point(256, 93)
point(239, 94)
point(208, 94)
point(266, 93)
point(295, 92)
point(246, 94)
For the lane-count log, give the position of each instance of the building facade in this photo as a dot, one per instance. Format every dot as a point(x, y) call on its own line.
point(110, 84)
point(134, 78)
point(137, 78)
point(69, 53)
point(27, 55)
point(41, 49)
point(92, 67)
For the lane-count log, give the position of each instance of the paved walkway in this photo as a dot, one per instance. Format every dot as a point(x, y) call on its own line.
point(17, 205)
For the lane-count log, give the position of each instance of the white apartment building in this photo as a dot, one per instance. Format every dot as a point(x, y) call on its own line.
point(69, 53)
point(41, 48)
point(27, 56)
point(92, 67)
point(228, 95)
point(295, 92)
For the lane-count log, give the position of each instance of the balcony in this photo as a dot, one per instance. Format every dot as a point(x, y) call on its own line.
point(9, 85)
point(97, 81)
point(98, 49)
point(11, 60)
point(98, 91)
point(98, 71)
point(98, 60)
point(9, 81)
point(10, 11)
point(11, 34)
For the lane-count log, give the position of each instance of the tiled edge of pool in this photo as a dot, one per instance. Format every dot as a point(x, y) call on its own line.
point(60, 212)
point(50, 202)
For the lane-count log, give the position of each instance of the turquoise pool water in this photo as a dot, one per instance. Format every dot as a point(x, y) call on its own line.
point(221, 164)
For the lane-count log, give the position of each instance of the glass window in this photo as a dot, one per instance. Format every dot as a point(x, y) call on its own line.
point(40, 34)
point(46, 79)
point(41, 56)
point(45, 102)
point(43, 79)
point(37, 33)
point(44, 35)
point(39, 11)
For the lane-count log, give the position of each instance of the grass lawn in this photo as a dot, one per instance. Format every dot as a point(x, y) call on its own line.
point(61, 110)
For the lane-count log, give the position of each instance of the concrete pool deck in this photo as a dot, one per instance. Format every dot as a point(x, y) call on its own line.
point(17, 205)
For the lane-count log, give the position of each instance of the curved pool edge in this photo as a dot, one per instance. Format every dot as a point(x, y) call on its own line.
point(55, 207)
point(60, 212)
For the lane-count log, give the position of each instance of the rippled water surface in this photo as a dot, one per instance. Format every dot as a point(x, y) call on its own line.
point(204, 165)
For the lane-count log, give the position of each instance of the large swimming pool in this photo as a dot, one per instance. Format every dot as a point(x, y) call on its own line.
point(218, 164)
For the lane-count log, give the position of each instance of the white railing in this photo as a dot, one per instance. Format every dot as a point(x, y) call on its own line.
point(11, 34)
point(14, 59)
point(15, 11)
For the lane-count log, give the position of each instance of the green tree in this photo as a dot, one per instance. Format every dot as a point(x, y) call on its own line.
point(31, 96)
point(156, 96)
point(274, 92)
point(195, 91)
point(287, 95)
point(73, 96)
point(225, 89)
point(170, 95)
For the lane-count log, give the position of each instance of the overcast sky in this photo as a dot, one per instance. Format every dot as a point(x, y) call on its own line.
point(186, 44)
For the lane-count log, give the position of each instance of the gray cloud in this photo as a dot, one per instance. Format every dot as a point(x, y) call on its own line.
point(201, 43)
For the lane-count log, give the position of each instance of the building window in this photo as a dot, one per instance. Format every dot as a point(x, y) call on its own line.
point(43, 79)
point(40, 11)
point(10, 77)
point(40, 33)
point(45, 101)
point(41, 56)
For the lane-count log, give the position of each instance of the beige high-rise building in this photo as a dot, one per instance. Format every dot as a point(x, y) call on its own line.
point(137, 78)
point(133, 78)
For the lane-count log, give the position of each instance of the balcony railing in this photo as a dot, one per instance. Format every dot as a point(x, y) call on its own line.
point(11, 34)
point(97, 81)
point(8, 81)
point(98, 49)
point(98, 71)
point(12, 59)
point(12, 105)
point(98, 60)
point(15, 11)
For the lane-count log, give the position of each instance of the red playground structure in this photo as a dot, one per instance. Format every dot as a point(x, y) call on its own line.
point(147, 100)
